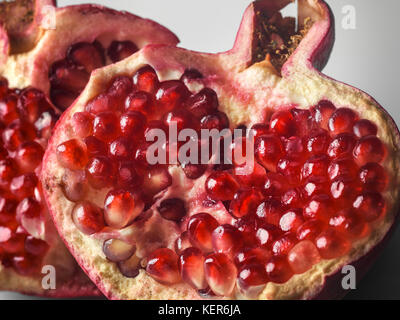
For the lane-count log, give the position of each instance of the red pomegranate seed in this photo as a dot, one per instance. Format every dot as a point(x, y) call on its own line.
point(72, 154)
point(283, 124)
point(102, 103)
point(291, 220)
point(12, 243)
point(315, 186)
point(278, 269)
point(146, 79)
point(132, 124)
point(8, 109)
point(348, 223)
point(24, 186)
point(248, 227)
point(121, 149)
point(172, 94)
point(221, 186)
point(8, 170)
point(88, 55)
point(370, 206)
point(253, 275)
point(95, 147)
point(363, 128)
point(140, 101)
point(25, 266)
point(343, 168)
point(369, 149)
point(163, 266)
point(3, 86)
point(101, 172)
point(119, 90)
point(275, 184)
point(191, 265)
point(182, 242)
point(343, 191)
point(266, 234)
point(283, 245)
point(16, 133)
point(203, 103)
point(36, 247)
point(200, 228)
point(88, 218)
point(191, 74)
point(220, 273)
point(28, 208)
point(68, 76)
point(251, 256)
point(342, 145)
point(256, 178)
point(157, 180)
point(226, 239)
point(322, 113)
point(319, 207)
point(62, 99)
point(193, 171)
point(117, 250)
point(106, 126)
point(294, 146)
point(259, 130)
point(316, 166)
point(128, 177)
point(332, 244)
point(181, 117)
point(119, 50)
point(218, 120)
point(31, 104)
point(245, 202)
point(303, 256)
point(318, 142)
point(130, 268)
point(75, 185)
point(290, 168)
point(268, 151)
point(121, 207)
point(172, 209)
point(373, 177)
point(310, 229)
point(270, 211)
point(342, 120)
point(82, 124)
point(7, 210)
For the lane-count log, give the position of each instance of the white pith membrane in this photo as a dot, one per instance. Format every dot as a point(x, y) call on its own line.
point(243, 95)
point(74, 24)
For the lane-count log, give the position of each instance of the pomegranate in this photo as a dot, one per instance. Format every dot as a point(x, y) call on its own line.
point(322, 192)
point(41, 69)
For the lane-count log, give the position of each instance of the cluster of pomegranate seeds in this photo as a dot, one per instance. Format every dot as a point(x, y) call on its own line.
point(316, 186)
point(26, 121)
point(68, 77)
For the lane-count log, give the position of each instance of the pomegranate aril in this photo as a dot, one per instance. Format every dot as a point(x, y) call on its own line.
point(128, 177)
point(101, 172)
point(132, 124)
point(318, 142)
point(72, 154)
point(226, 239)
point(203, 103)
point(349, 224)
point(156, 180)
point(191, 265)
point(254, 179)
point(217, 120)
point(310, 229)
point(293, 198)
point(8, 109)
point(121, 207)
point(193, 171)
point(200, 228)
point(162, 266)
point(275, 184)
point(268, 151)
point(146, 79)
point(344, 190)
point(369, 149)
point(12, 243)
point(121, 149)
point(8, 170)
point(75, 185)
point(130, 268)
point(250, 276)
point(24, 186)
point(220, 273)
point(36, 247)
point(303, 120)
point(172, 94)
point(282, 245)
point(140, 101)
point(102, 103)
point(278, 269)
point(25, 265)
point(28, 208)
point(172, 209)
point(117, 250)
point(294, 146)
point(119, 90)
point(16, 133)
point(322, 113)
point(303, 256)
point(266, 234)
point(283, 124)
point(182, 242)
point(319, 207)
point(179, 117)
point(82, 124)
point(245, 202)
point(31, 104)
point(106, 126)
point(291, 220)
point(7, 210)
point(68, 76)
point(342, 168)
point(251, 256)
point(373, 177)
point(342, 120)
point(364, 127)
point(119, 50)
point(290, 168)
point(259, 130)
point(88, 55)
point(221, 186)
point(270, 211)
point(88, 218)
point(342, 145)
point(315, 186)
point(370, 206)
point(315, 166)
point(62, 99)
point(95, 147)
point(331, 244)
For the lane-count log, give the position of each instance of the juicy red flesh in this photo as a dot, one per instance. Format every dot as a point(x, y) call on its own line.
point(316, 186)
point(26, 121)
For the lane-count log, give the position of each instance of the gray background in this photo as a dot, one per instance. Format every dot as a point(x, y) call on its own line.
point(365, 57)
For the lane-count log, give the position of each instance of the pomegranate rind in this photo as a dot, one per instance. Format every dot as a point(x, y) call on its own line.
point(244, 89)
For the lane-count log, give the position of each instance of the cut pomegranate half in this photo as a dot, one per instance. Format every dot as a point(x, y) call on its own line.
point(58, 62)
point(322, 192)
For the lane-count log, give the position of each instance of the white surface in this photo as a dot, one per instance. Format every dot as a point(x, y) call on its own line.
point(366, 57)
